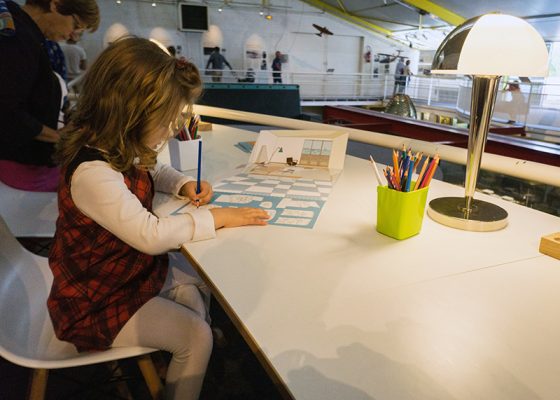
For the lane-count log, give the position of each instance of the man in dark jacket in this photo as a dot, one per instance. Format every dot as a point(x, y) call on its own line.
point(277, 68)
point(217, 61)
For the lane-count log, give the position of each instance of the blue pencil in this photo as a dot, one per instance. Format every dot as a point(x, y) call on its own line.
point(409, 177)
point(199, 165)
point(404, 170)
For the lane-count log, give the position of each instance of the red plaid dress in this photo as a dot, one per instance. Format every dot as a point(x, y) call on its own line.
point(99, 280)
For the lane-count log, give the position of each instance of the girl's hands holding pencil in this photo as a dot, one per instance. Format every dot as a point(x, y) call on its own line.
point(224, 217)
point(205, 195)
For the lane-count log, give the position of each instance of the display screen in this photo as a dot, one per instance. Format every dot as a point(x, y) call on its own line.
point(193, 18)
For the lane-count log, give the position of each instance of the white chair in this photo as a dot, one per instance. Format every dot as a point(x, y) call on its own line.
point(28, 214)
point(26, 333)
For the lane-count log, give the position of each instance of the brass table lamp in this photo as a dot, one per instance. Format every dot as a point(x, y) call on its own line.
point(486, 47)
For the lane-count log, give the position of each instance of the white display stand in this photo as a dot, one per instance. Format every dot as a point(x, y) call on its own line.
point(306, 154)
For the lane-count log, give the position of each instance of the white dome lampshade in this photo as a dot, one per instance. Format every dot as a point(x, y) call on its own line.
point(492, 44)
point(486, 48)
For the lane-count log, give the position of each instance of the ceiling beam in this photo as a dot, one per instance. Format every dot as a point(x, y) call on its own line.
point(388, 21)
point(425, 28)
point(542, 16)
point(341, 5)
point(442, 13)
point(340, 13)
point(359, 10)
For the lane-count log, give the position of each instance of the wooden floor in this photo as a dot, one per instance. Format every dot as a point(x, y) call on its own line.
point(233, 372)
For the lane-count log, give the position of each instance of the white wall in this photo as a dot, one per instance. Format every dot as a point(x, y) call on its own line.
point(239, 29)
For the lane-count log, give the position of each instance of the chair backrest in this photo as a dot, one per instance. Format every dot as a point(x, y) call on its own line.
point(26, 331)
point(30, 214)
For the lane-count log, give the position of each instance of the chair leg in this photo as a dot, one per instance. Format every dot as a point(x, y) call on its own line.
point(150, 375)
point(117, 374)
point(38, 384)
point(160, 364)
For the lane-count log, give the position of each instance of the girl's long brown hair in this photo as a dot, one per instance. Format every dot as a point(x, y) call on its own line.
point(132, 87)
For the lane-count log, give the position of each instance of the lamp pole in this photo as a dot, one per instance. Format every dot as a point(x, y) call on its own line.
point(483, 97)
point(469, 213)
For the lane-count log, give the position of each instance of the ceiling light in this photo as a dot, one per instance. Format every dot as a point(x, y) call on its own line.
point(220, 9)
point(119, 1)
point(268, 17)
point(261, 12)
point(153, 4)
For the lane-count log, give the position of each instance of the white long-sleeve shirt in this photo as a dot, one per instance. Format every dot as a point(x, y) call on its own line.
point(101, 194)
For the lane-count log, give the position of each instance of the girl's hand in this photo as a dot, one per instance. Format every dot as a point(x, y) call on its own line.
point(205, 195)
point(232, 217)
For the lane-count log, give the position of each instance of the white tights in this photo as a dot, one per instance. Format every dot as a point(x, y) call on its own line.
point(176, 321)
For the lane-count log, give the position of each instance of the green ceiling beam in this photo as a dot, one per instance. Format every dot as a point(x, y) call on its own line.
point(340, 13)
point(442, 13)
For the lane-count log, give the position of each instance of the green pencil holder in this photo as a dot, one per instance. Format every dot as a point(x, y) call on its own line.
point(400, 214)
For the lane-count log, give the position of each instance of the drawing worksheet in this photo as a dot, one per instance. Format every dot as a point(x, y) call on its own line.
point(289, 202)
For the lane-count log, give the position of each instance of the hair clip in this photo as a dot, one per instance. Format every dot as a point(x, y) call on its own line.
point(181, 63)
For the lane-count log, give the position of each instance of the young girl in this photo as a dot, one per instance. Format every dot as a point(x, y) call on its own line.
point(114, 284)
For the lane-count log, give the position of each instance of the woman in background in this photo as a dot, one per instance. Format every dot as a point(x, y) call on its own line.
point(31, 95)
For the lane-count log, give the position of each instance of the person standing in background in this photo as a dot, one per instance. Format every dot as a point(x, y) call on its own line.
point(57, 58)
point(76, 58)
point(399, 77)
point(264, 66)
point(217, 61)
point(407, 72)
point(31, 95)
point(6, 21)
point(277, 68)
point(58, 64)
point(518, 107)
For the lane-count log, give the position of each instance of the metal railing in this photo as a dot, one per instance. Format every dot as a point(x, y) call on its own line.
point(527, 170)
point(535, 106)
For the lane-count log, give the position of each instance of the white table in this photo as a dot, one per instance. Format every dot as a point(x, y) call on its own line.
point(343, 312)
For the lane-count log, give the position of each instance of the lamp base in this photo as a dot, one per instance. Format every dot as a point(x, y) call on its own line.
point(484, 216)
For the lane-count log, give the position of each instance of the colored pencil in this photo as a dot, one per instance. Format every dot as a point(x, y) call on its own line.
point(400, 175)
point(404, 169)
point(421, 174)
point(396, 167)
point(374, 166)
point(432, 172)
point(418, 158)
point(427, 173)
point(198, 190)
point(409, 177)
